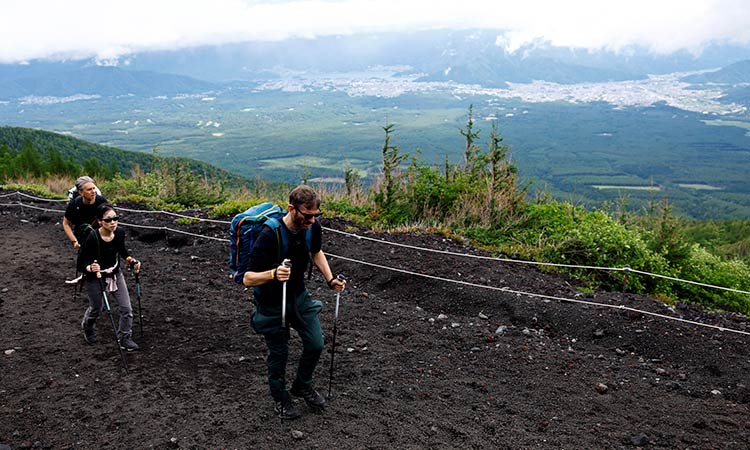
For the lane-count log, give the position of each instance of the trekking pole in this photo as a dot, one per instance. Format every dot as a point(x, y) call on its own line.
point(138, 296)
point(285, 263)
point(111, 319)
point(75, 288)
point(333, 341)
point(80, 282)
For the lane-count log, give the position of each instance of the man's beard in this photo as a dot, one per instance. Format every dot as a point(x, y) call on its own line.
point(300, 223)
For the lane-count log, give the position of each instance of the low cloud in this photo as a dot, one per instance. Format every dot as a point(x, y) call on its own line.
point(109, 30)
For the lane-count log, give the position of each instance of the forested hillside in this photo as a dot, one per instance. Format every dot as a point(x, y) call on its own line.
point(68, 155)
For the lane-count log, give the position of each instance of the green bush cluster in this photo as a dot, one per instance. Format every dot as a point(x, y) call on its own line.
point(571, 235)
point(340, 206)
point(483, 190)
point(35, 189)
point(169, 185)
point(728, 238)
point(231, 207)
point(706, 268)
point(481, 200)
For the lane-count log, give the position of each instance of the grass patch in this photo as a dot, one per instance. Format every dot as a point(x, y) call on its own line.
point(631, 188)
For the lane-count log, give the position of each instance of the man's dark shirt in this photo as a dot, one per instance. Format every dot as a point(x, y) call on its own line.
point(79, 215)
point(265, 256)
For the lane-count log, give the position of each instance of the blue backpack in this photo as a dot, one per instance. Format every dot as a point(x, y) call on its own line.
point(245, 229)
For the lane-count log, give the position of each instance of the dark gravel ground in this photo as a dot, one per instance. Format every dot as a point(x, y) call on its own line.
point(420, 363)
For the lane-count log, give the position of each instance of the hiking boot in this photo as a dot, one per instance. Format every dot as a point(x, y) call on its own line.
point(311, 396)
point(286, 409)
point(126, 343)
point(89, 331)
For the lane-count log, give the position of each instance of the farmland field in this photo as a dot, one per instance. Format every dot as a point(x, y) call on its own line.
point(565, 148)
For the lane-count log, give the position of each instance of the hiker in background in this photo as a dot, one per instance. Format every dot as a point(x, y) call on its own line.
point(100, 253)
point(268, 274)
point(80, 215)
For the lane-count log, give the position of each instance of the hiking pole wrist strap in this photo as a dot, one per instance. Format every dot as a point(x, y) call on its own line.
point(273, 274)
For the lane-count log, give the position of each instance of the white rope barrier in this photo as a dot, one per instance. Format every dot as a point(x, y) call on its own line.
point(447, 280)
point(173, 214)
point(26, 205)
point(688, 281)
point(40, 198)
point(533, 295)
point(175, 231)
point(445, 252)
point(519, 261)
point(469, 255)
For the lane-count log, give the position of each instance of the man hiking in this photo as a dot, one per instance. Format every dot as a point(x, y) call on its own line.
point(80, 215)
point(275, 281)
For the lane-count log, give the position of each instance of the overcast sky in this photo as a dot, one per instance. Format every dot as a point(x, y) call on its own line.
point(108, 29)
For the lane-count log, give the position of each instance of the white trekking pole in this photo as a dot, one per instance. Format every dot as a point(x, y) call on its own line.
point(333, 343)
point(285, 263)
point(111, 319)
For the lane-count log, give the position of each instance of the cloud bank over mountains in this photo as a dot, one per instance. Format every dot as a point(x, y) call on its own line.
point(107, 31)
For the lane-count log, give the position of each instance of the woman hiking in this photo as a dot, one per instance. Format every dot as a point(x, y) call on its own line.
point(81, 211)
point(100, 253)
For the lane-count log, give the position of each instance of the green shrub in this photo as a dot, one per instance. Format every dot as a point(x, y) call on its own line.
point(152, 203)
point(147, 202)
point(186, 221)
point(606, 243)
point(173, 183)
point(707, 268)
point(149, 185)
point(35, 189)
point(344, 208)
point(563, 234)
point(231, 207)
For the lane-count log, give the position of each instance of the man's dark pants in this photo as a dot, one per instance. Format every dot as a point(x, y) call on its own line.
point(267, 321)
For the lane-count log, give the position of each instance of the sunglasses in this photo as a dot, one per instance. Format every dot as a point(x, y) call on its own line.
point(111, 219)
point(309, 216)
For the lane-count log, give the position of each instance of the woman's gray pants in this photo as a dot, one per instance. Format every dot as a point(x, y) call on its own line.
point(120, 296)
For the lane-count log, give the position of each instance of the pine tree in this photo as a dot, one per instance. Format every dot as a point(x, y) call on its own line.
point(7, 163)
point(55, 162)
point(29, 160)
point(392, 159)
point(470, 150)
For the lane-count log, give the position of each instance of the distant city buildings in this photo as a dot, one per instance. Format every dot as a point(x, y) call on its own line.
point(667, 89)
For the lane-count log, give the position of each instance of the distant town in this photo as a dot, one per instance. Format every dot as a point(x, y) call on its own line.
point(667, 89)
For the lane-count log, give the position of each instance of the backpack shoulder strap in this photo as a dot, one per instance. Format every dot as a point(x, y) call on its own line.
point(308, 239)
point(282, 240)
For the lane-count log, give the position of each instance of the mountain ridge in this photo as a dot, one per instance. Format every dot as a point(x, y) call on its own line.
point(67, 79)
point(736, 73)
point(473, 56)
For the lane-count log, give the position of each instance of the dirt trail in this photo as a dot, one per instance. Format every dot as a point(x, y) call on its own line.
point(420, 363)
